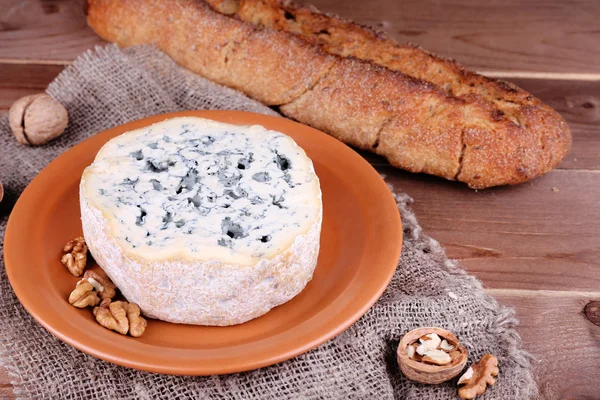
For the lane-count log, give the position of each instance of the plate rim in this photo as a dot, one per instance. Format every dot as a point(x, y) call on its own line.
point(230, 116)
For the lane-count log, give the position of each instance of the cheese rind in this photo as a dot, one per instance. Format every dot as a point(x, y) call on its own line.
point(203, 222)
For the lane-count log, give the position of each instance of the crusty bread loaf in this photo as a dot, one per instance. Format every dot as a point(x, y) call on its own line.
point(422, 112)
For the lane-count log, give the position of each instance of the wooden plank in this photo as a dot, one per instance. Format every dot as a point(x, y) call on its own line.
point(579, 104)
point(497, 35)
point(54, 30)
point(564, 343)
point(5, 385)
point(537, 235)
point(20, 80)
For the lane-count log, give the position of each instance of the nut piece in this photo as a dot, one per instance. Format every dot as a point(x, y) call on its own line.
point(105, 288)
point(121, 316)
point(83, 295)
point(1, 192)
point(112, 316)
point(478, 376)
point(37, 119)
point(437, 357)
point(76, 255)
point(444, 345)
point(410, 351)
point(137, 323)
point(429, 342)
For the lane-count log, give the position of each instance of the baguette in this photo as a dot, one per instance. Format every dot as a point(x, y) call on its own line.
point(423, 113)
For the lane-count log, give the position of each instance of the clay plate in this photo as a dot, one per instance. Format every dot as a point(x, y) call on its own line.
point(361, 241)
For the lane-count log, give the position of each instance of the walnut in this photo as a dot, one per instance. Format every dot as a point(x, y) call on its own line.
point(84, 295)
point(105, 288)
point(112, 316)
point(120, 316)
point(37, 119)
point(75, 258)
point(478, 376)
point(137, 323)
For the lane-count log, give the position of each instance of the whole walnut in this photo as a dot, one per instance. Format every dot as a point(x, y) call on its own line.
point(37, 119)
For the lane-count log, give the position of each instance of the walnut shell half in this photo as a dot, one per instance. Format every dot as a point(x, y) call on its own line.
point(428, 373)
point(37, 119)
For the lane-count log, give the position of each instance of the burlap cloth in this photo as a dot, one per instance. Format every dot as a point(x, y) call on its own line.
point(109, 87)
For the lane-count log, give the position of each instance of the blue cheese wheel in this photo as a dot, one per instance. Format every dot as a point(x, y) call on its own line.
point(202, 222)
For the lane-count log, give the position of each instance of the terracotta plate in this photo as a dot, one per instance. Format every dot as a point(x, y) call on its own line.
point(360, 246)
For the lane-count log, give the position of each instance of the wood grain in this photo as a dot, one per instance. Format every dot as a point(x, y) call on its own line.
point(498, 35)
point(532, 35)
point(5, 385)
point(579, 104)
point(566, 346)
point(53, 30)
point(592, 312)
point(20, 80)
point(537, 235)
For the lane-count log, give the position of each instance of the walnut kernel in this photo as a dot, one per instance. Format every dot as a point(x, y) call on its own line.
point(137, 324)
point(75, 258)
point(121, 316)
point(478, 376)
point(83, 295)
point(104, 286)
point(112, 316)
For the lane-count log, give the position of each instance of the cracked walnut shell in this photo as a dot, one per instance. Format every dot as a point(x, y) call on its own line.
point(84, 295)
point(424, 362)
point(37, 119)
point(75, 258)
point(478, 376)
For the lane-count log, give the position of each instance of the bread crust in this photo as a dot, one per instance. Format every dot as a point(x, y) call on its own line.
point(422, 112)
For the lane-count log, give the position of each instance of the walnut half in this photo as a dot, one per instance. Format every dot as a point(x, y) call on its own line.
point(84, 295)
point(104, 286)
point(121, 317)
point(75, 257)
point(137, 324)
point(478, 376)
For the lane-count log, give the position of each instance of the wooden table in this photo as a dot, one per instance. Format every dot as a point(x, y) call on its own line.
point(535, 246)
